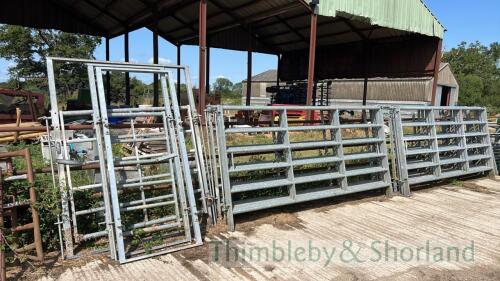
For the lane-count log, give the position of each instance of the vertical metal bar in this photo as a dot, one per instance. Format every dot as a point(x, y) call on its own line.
point(312, 53)
point(463, 140)
point(3, 271)
point(179, 73)
point(120, 246)
point(202, 42)
point(278, 73)
point(491, 161)
point(437, 66)
point(435, 143)
point(184, 156)
point(207, 78)
point(52, 171)
point(285, 139)
point(127, 74)
point(169, 122)
point(69, 180)
point(108, 77)
point(377, 117)
point(226, 183)
point(139, 168)
point(337, 136)
point(54, 112)
point(155, 61)
point(96, 122)
point(249, 70)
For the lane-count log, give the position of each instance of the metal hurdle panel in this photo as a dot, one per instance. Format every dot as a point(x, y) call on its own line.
point(276, 167)
point(435, 143)
point(175, 227)
point(179, 227)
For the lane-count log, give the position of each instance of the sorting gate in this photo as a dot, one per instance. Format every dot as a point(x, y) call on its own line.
point(287, 161)
point(147, 204)
point(433, 143)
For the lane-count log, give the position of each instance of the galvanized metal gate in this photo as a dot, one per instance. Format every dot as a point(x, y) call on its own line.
point(433, 143)
point(277, 167)
point(152, 212)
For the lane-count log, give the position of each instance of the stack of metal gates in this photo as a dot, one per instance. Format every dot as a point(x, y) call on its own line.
point(291, 161)
point(146, 201)
point(342, 150)
point(433, 143)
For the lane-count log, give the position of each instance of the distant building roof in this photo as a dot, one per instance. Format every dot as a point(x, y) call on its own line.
point(266, 76)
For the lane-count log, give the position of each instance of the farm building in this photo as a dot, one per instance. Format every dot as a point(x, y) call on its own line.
point(417, 90)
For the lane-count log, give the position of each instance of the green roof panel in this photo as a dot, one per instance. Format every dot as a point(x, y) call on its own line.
point(407, 15)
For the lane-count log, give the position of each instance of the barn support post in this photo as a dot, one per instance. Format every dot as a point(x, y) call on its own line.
point(207, 76)
point(127, 75)
point(155, 61)
point(202, 42)
point(108, 78)
point(367, 57)
point(278, 74)
point(249, 68)
point(437, 65)
point(179, 73)
point(312, 51)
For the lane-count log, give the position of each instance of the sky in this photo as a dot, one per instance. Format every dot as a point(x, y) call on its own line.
point(465, 20)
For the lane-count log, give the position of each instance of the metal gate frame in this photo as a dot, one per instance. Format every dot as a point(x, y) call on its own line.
point(174, 123)
point(286, 147)
point(411, 149)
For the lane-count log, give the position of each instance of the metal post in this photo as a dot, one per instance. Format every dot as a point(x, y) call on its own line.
point(155, 61)
point(108, 78)
point(207, 79)
point(249, 69)
point(3, 273)
point(179, 73)
point(312, 51)
point(278, 73)
point(202, 42)
point(437, 63)
point(127, 75)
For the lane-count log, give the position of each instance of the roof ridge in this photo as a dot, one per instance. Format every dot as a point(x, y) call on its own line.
point(432, 14)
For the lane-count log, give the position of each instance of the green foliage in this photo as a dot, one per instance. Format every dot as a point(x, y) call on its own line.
point(478, 76)
point(27, 48)
point(47, 197)
point(222, 85)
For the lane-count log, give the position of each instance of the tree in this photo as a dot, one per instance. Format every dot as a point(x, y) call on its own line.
point(28, 48)
point(223, 85)
point(475, 68)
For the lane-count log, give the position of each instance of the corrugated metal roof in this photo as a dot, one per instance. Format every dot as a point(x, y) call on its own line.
point(278, 25)
point(407, 15)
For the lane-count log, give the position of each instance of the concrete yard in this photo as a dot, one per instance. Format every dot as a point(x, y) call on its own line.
point(465, 215)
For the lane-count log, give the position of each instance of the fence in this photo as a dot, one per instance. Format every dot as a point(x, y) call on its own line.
point(433, 143)
point(290, 162)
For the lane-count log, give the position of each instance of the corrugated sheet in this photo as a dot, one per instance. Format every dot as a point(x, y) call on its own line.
point(417, 89)
point(408, 15)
